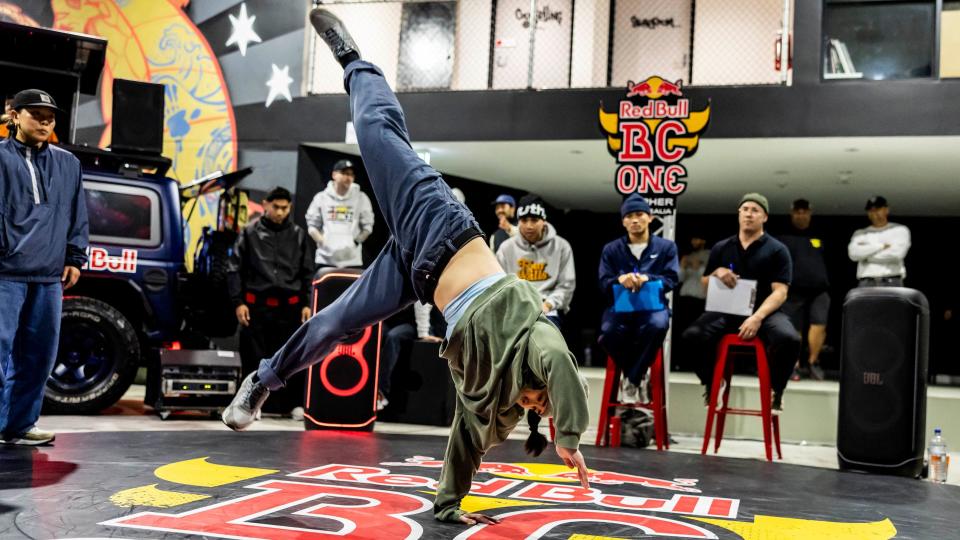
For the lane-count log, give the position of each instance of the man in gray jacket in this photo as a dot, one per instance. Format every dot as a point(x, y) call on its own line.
point(339, 219)
point(539, 255)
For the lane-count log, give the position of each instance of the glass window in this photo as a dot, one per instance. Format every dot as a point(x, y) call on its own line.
point(123, 215)
point(878, 40)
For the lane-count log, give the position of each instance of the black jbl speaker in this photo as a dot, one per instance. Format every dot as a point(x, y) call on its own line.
point(137, 124)
point(883, 374)
point(342, 388)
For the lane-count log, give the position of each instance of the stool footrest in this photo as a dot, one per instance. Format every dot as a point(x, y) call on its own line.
point(741, 412)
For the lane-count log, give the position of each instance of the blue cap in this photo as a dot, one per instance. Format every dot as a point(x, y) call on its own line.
point(504, 198)
point(634, 203)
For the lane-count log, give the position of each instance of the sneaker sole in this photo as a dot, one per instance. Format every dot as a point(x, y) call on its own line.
point(28, 442)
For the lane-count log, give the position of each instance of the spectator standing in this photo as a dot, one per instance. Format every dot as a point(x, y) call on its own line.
point(633, 334)
point(269, 280)
point(808, 304)
point(879, 250)
point(43, 247)
point(339, 219)
point(689, 302)
point(539, 255)
point(750, 254)
point(504, 206)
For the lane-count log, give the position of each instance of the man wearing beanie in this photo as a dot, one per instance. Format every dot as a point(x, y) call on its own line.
point(539, 255)
point(750, 254)
point(636, 263)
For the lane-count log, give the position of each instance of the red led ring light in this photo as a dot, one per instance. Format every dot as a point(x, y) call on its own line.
point(354, 351)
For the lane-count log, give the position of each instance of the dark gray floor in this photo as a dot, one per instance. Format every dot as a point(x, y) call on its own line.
point(64, 491)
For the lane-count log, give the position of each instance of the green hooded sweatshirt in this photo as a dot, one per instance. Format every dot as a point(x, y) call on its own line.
point(502, 345)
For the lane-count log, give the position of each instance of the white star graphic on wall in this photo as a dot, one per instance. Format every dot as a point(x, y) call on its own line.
point(279, 84)
point(243, 32)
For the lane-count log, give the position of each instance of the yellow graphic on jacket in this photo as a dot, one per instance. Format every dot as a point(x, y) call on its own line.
point(815, 242)
point(532, 271)
point(342, 213)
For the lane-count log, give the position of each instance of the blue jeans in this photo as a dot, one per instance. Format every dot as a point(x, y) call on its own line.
point(426, 222)
point(29, 335)
point(633, 339)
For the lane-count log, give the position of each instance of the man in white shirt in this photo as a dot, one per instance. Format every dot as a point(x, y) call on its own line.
point(879, 249)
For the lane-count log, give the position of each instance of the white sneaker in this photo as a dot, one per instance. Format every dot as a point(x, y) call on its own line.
point(296, 414)
point(33, 437)
point(628, 392)
point(244, 408)
point(382, 402)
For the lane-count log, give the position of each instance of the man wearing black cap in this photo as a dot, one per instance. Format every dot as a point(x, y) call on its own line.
point(633, 329)
point(750, 254)
point(809, 301)
point(42, 248)
point(539, 255)
point(339, 219)
point(504, 207)
point(879, 249)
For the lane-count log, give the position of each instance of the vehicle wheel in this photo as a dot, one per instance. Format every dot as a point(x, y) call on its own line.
point(97, 360)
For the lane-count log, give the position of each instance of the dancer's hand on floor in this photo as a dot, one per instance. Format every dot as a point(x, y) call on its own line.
point(473, 519)
point(573, 458)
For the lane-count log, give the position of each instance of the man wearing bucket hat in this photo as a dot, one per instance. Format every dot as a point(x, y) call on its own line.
point(750, 254)
point(42, 248)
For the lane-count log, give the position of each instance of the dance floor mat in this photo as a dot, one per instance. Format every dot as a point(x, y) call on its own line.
point(324, 485)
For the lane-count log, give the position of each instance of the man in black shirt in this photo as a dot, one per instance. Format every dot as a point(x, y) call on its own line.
point(808, 302)
point(269, 280)
point(750, 254)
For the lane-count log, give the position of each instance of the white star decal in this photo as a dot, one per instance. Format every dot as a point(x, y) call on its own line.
point(279, 84)
point(243, 32)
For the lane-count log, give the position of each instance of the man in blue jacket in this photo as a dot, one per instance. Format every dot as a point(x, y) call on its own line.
point(636, 273)
point(43, 242)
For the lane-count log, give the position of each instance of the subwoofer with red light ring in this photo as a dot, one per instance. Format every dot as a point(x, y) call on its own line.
point(342, 388)
point(883, 381)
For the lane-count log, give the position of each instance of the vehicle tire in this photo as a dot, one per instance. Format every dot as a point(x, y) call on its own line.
point(97, 360)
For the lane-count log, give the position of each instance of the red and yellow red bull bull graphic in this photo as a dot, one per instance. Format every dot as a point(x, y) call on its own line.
point(651, 132)
point(393, 500)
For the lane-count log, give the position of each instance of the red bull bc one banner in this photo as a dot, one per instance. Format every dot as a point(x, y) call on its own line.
point(652, 131)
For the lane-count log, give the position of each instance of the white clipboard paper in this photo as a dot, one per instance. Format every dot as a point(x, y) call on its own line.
point(736, 301)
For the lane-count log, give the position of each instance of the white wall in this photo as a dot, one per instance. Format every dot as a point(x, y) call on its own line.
point(591, 29)
point(733, 41)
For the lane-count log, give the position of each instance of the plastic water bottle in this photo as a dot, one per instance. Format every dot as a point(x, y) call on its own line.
point(939, 458)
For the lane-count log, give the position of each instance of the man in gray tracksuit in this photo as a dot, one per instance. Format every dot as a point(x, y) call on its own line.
point(539, 255)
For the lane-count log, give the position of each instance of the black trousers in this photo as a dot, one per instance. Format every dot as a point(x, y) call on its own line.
point(269, 329)
point(781, 339)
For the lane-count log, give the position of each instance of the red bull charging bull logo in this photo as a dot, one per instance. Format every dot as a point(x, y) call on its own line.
point(651, 132)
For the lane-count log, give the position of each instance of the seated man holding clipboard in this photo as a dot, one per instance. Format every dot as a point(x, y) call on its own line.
point(747, 277)
point(636, 272)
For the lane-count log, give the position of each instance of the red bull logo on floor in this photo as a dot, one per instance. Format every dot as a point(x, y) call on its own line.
point(651, 132)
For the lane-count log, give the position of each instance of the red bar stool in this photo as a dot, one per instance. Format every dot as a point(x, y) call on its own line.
point(608, 430)
point(723, 371)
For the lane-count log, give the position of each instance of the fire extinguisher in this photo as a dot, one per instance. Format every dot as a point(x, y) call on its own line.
point(777, 52)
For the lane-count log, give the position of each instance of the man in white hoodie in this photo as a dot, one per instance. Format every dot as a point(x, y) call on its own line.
point(879, 249)
point(539, 255)
point(339, 219)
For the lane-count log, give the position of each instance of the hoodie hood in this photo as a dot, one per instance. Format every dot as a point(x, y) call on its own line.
point(549, 234)
point(331, 190)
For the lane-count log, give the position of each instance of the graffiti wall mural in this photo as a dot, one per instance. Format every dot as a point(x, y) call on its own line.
point(155, 41)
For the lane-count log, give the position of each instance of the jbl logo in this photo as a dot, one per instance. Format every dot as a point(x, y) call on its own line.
point(872, 378)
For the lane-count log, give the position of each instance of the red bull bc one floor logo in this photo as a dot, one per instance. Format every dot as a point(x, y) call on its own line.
point(651, 132)
point(533, 500)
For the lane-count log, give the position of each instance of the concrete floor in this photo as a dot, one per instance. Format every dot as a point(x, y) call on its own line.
point(131, 415)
